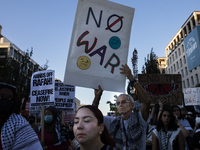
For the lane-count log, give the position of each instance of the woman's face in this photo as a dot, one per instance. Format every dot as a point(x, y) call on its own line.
point(86, 128)
point(48, 112)
point(176, 112)
point(166, 118)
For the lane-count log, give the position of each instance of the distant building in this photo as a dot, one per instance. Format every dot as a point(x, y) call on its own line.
point(183, 52)
point(162, 64)
point(10, 50)
point(78, 104)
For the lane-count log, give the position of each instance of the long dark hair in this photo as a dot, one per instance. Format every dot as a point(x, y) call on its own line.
point(172, 124)
point(16, 101)
point(105, 136)
point(176, 106)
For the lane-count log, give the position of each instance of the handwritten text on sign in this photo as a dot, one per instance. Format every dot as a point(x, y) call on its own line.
point(192, 96)
point(99, 45)
point(168, 86)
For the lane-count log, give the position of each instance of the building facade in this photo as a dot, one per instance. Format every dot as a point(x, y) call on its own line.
point(183, 52)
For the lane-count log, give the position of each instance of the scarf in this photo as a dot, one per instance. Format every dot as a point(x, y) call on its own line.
point(136, 129)
point(16, 133)
point(166, 138)
point(59, 132)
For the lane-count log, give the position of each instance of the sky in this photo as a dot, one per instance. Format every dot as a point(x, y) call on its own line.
point(47, 26)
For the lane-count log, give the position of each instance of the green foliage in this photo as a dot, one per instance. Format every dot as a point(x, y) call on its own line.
point(113, 106)
point(134, 61)
point(151, 65)
point(18, 71)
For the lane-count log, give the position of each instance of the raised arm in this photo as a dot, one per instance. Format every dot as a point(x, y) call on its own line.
point(97, 96)
point(147, 100)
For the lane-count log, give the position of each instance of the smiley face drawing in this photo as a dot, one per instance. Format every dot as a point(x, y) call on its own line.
point(83, 62)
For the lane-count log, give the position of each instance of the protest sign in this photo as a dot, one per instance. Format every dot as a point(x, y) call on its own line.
point(191, 96)
point(64, 97)
point(99, 45)
point(168, 86)
point(42, 90)
point(69, 116)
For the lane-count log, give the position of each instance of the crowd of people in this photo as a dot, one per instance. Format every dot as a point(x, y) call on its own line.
point(161, 127)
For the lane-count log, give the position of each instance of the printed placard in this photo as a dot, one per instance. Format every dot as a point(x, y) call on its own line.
point(64, 97)
point(99, 45)
point(191, 96)
point(42, 88)
point(168, 86)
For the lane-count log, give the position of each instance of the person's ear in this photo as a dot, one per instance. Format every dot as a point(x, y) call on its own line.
point(101, 129)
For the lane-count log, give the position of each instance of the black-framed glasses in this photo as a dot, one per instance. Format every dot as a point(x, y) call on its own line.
point(122, 102)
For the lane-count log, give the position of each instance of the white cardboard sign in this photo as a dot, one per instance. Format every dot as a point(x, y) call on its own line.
point(99, 45)
point(191, 96)
point(64, 97)
point(42, 89)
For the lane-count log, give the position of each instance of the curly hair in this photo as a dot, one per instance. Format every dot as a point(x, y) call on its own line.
point(172, 124)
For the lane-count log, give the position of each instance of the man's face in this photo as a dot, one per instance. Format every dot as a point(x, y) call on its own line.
point(123, 105)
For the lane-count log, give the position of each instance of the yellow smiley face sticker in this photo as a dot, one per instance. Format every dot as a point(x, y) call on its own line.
point(83, 62)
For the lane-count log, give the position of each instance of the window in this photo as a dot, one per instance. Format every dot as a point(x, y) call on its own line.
point(174, 68)
point(179, 52)
point(173, 57)
point(171, 69)
point(197, 78)
point(184, 59)
point(177, 65)
point(180, 62)
point(170, 60)
point(186, 71)
point(183, 48)
point(182, 73)
point(184, 84)
point(176, 55)
point(188, 83)
point(3, 51)
point(192, 80)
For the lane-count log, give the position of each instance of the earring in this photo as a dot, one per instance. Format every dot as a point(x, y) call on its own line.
point(100, 133)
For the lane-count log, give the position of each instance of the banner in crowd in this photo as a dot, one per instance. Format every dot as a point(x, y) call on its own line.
point(64, 97)
point(168, 86)
point(99, 45)
point(191, 96)
point(42, 90)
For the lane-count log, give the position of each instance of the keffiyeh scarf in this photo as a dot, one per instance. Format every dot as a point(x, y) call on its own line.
point(16, 133)
point(166, 138)
point(135, 130)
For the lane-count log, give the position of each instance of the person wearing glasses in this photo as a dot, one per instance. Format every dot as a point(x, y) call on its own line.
point(129, 129)
point(16, 132)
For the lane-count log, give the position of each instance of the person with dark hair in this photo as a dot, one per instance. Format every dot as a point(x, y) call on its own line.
point(31, 120)
point(184, 125)
point(90, 131)
point(129, 129)
point(56, 136)
point(167, 135)
point(16, 132)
